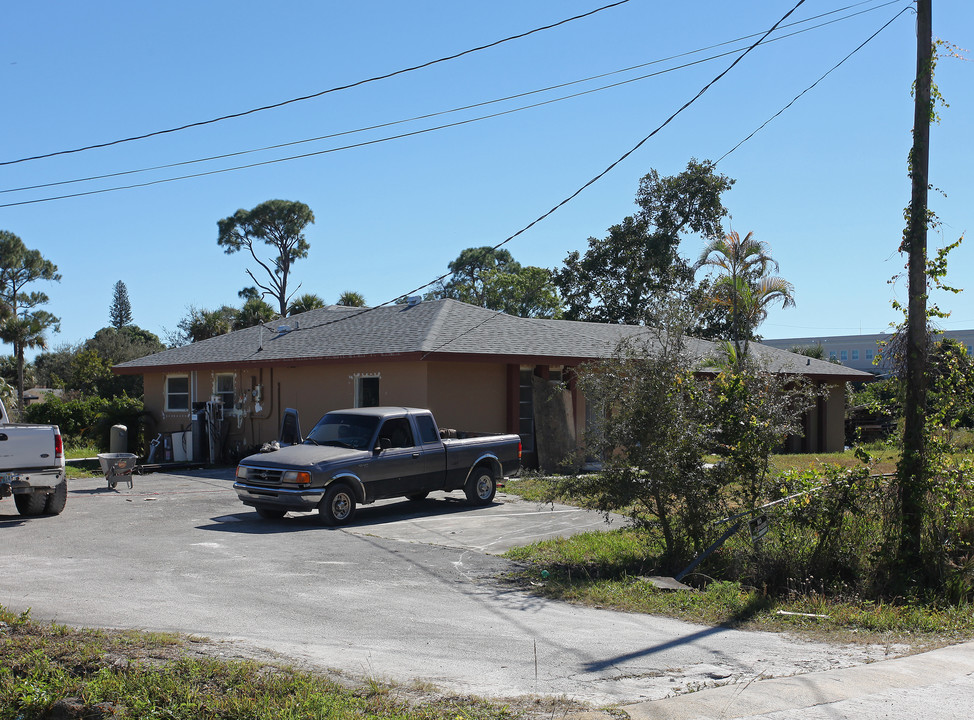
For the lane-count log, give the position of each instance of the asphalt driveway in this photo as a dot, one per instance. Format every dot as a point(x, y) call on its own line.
point(410, 591)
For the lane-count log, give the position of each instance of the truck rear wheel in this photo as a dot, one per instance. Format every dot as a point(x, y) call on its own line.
point(338, 505)
point(56, 500)
point(481, 486)
point(32, 504)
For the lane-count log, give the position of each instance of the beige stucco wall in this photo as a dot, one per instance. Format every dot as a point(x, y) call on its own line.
point(468, 396)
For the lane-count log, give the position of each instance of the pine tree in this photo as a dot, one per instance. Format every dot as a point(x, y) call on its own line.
point(120, 313)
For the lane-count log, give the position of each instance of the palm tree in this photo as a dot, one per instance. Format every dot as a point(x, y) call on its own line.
point(308, 301)
point(350, 298)
point(26, 332)
point(744, 285)
point(253, 312)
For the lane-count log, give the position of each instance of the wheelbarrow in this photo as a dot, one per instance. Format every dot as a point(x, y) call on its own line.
point(118, 467)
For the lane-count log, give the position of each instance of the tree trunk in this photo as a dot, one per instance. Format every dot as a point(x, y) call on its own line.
point(913, 471)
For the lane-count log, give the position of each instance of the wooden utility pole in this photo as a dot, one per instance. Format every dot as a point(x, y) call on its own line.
point(913, 471)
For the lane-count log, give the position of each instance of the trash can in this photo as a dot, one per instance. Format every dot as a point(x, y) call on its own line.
point(119, 439)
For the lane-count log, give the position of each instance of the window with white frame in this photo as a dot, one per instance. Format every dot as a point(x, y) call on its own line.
point(855, 354)
point(366, 391)
point(224, 388)
point(869, 354)
point(843, 355)
point(177, 392)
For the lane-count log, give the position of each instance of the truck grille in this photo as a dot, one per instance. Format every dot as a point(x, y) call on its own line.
point(263, 476)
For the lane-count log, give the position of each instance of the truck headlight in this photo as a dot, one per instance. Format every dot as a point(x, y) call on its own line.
point(241, 472)
point(298, 477)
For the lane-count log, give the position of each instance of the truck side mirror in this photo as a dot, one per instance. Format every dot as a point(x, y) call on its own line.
point(384, 444)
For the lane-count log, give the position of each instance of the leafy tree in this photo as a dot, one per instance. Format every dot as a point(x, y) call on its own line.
point(743, 285)
point(616, 278)
point(751, 414)
point(117, 345)
point(493, 279)
point(200, 324)
point(90, 373)
point(249, 293)
point(467, 281)
point(120, 312)
point(24, 326)
point(349, 298)
point(279, 224)
point(528, 291)
point(651, 433)
point(951, 394)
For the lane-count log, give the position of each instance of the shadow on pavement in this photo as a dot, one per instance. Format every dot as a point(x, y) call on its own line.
point(250, 522)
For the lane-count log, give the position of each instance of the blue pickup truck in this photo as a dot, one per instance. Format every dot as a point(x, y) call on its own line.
point(359, 456)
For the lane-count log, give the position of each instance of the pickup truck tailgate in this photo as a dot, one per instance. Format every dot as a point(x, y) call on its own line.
point(27, 447)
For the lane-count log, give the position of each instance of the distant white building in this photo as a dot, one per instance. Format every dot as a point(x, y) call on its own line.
point(860, 351)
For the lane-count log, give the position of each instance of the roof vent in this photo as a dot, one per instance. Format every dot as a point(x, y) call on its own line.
point(414, 300)
point(282, 329)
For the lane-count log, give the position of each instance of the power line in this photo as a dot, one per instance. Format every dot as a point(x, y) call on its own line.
point(799, 95)
point(591, 182)
point(358, 83)
point(429, 115)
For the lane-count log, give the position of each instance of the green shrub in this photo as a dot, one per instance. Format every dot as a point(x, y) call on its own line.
point(90, 419)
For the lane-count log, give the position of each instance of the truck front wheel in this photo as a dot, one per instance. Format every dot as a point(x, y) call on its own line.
point(481, 487)
point(338, 505)
point(32, 504)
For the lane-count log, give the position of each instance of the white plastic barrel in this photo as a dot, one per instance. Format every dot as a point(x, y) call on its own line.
point(119, 439)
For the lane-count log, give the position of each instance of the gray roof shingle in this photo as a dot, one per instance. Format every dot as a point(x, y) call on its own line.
point(440, 329)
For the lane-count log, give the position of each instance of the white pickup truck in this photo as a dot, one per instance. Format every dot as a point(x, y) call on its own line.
point(32, 466)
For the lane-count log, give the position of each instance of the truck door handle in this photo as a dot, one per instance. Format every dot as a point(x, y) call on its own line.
point(416, 454)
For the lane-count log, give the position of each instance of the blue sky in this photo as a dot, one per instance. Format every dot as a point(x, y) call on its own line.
point(824, 184)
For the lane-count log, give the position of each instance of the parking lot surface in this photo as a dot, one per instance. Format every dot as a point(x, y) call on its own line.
point(411, 591)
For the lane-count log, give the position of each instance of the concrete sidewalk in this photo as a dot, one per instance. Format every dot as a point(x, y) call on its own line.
point(937, 684)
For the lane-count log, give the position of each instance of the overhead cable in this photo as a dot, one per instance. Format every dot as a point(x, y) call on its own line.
point(407, 134)
point(591, 182)
point(427, 116)
point(357, 83)
point(829, 72)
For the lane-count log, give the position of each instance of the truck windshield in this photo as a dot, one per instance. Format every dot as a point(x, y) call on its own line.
point(351, 431)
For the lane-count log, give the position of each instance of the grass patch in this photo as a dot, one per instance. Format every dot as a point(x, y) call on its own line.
point(132, 675)
point(610, 570)
point(81, 449)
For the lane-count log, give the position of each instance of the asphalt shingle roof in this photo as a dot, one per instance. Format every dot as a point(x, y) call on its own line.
point(439, 328)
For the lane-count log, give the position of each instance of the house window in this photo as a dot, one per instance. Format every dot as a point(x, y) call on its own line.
point(177, 392)
point(367, 391)
point(832, 355)
point(843, 355)
point(970, 349)
point(869, 355)
point(223, 387)
point(855, 354)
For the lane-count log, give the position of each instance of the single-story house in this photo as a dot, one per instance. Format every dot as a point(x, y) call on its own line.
point(478, 370)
